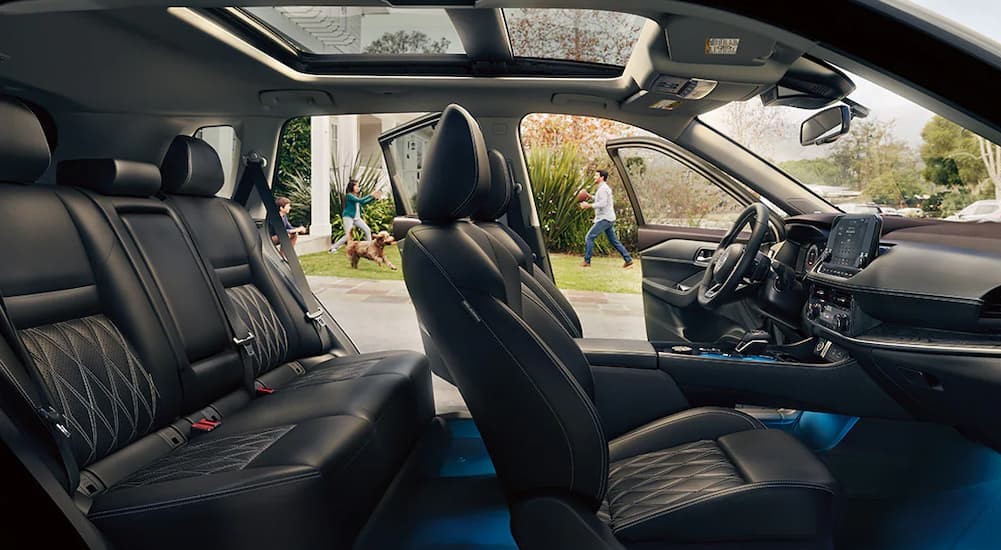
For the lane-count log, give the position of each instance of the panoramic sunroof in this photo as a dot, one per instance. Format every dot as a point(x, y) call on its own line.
point(337, 30)
point(592, 36)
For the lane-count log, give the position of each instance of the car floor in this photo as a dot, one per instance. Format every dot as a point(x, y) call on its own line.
point(447, 496)
point(909, 485)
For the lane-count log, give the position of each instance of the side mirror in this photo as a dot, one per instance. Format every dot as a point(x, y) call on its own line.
point(826, 126)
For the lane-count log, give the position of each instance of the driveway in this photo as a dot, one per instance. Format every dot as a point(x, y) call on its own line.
point(378, 315)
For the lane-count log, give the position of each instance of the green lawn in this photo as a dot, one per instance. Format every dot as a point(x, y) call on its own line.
point(604, 275)
point(338, 265)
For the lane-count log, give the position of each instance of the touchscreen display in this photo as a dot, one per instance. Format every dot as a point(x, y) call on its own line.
point(853, 242)
point(847, 242)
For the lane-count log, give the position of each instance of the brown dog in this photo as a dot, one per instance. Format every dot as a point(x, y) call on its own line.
point(374, 250)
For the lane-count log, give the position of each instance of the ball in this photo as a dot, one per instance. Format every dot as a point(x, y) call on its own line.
point(583, 195)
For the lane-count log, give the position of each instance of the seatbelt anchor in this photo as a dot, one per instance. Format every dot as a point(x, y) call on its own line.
point(254, 157)
point(317, 317)
point(56, 420)
point(244, 343)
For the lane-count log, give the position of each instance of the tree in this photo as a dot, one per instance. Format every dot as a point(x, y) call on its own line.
point(819, 171)
point(407, 42)
point(898, 188)
point(587, 134)
point(294, 151)
point(869, 151)
point(950, 153)
point(990, 154)
point(753, 125)
point(579, 35)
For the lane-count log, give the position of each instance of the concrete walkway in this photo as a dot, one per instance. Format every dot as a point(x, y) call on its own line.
point(378, 315)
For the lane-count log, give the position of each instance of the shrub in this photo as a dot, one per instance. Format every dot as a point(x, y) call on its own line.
point(297, 189)
point(556, 175)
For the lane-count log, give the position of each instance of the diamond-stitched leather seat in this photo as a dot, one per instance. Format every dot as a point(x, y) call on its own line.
point(117, 312)
point(711, 477)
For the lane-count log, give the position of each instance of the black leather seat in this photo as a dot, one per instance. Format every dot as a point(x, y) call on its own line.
point(105, 290)
point(707, 476)
point(500, 192)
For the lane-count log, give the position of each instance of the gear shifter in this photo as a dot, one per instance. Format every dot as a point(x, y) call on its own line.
point(753, 343)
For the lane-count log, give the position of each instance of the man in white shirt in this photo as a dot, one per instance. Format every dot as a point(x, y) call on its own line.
point(604, 220)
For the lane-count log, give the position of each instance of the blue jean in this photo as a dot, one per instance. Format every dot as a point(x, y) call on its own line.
point(606, 227)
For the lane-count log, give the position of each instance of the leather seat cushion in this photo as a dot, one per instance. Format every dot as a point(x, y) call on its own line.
point(312, 481)
point(748, 485)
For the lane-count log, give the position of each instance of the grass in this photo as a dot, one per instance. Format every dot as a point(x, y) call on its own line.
point(338, 265)
point(604, 275)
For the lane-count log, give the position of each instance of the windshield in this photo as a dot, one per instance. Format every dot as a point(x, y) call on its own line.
point(901, 160)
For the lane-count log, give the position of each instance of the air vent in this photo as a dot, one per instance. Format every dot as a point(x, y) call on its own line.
point(992, 305)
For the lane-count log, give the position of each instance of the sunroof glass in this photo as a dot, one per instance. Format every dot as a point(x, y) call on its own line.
point(335, 30)
point(573, 34)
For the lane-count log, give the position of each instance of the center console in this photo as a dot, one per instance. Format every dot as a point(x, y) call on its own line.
point(852, 244)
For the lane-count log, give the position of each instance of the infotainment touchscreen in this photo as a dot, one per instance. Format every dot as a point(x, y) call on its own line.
point(853, 242)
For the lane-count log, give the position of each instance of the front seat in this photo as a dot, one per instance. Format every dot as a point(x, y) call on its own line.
point(708, 476)
point(492, 207)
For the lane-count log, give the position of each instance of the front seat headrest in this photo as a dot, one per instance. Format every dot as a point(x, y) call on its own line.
point(111, 176)
point(192, 167)
point(24, 149)
point(456, 171)
point(498, 197)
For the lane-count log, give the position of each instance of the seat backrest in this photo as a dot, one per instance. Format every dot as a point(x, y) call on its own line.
point(81, 312)
point(523, 378)
point(487, 216)
point(166, 261)
point(229, 239)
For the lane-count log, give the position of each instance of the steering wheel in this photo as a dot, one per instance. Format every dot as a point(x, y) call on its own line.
point(732, 261)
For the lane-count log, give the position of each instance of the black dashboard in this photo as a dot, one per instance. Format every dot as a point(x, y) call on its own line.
point(917, 303)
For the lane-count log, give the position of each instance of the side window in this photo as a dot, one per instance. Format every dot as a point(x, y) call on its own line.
point(670, 193)
point(227, 145)
point(406, 153)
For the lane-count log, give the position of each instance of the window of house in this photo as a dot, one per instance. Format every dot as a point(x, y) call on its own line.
point(227, 145)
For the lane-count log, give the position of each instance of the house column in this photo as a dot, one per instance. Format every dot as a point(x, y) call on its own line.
point(321, 142)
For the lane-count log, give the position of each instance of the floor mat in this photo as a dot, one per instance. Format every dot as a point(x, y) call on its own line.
point(447, 497)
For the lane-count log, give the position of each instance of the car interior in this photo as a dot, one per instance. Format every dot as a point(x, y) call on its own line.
point(808, 377)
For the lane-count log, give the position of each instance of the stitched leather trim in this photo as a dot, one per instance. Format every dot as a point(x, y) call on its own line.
point(690, 414)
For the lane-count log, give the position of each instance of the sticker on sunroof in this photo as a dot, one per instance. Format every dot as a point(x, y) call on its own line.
point(722, 46)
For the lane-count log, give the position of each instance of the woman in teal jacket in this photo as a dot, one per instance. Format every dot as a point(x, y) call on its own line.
point(351, 216)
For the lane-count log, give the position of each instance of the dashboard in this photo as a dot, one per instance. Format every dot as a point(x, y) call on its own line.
point(916, 303)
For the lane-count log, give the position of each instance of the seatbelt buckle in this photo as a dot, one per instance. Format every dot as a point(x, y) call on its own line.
point(205, 425)
point(244, 343)
point(317, 317)
point(55, 419)
point(264, 390)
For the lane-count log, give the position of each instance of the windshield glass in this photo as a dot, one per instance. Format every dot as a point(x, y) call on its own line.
point(901, 160)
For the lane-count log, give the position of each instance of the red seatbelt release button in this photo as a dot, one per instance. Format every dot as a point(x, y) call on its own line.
point(205, 425)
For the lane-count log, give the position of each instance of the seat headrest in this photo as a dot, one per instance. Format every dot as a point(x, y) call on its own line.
point(501, 189)
point(456, 171)
point(191, 167)
point(114, 177)
point(24, 150)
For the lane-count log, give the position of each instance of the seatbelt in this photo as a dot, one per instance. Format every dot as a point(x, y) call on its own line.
point(253, 177)
point(243, 337)
point(49, 415)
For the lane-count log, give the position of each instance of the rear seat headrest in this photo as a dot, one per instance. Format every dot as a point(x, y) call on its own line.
point(501, 188)
point(456, 172)
point(191, 167)
point(111, 176)
point(24, 149)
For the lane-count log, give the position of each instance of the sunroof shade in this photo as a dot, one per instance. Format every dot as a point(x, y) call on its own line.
point(336, 30)
point(573, 34)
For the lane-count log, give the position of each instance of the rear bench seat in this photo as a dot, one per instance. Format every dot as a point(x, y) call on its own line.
point(113, 302)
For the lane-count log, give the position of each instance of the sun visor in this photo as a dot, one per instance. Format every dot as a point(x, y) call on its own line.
point(703, 42)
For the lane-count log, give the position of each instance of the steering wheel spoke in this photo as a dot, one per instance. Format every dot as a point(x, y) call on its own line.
point(731, 264)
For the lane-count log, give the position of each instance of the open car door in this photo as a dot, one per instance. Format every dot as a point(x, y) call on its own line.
point(403, 149)
point(683, 207)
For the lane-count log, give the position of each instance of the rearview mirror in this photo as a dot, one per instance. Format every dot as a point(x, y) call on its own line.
point(826, 126)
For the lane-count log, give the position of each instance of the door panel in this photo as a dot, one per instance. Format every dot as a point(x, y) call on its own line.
point(682, 209)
